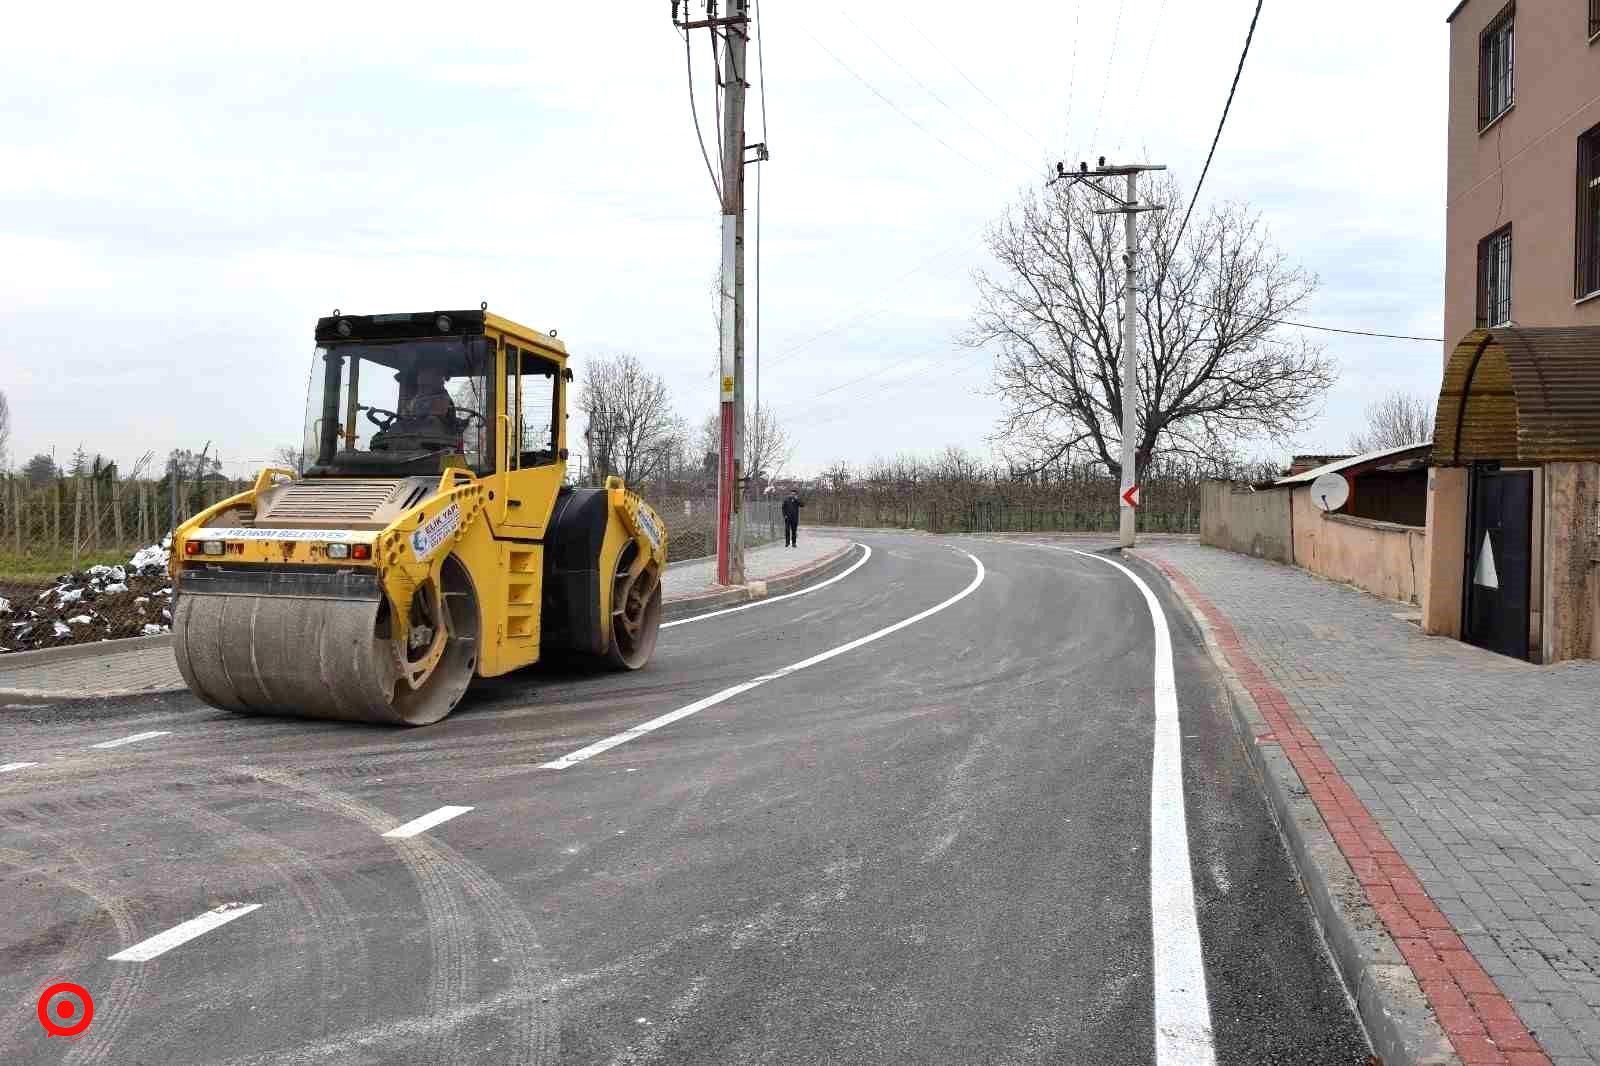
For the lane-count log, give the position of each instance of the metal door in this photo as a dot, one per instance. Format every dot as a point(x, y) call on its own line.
point(1499, 557)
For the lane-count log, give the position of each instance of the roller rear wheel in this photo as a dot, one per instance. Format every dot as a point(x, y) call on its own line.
point(635, 610)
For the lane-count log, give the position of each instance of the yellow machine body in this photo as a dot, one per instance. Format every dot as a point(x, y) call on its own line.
point(377, 585)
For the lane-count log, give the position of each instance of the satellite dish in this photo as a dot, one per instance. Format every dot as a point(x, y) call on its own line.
point(1330, 492)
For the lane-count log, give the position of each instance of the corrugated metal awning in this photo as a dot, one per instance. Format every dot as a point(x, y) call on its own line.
point(1520, 394)
point(1357, 464)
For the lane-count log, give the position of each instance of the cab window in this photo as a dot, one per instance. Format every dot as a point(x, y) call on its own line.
point(532, 395)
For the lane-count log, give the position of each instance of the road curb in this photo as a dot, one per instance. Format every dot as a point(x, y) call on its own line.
point(786, 581)
point(39, 697)
point(1389, 998)
point(22, 660)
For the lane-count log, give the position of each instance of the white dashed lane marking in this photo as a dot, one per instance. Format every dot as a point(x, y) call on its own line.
point(427, 821)
point(120, 741)
point(162, 943)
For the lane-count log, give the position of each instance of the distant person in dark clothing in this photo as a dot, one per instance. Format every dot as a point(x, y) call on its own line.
point(791, 519)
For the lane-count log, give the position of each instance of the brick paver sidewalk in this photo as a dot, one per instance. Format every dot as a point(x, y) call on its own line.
point(1483, 772)
point(151, 668)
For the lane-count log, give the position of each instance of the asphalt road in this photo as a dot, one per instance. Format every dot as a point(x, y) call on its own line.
point(931, 847)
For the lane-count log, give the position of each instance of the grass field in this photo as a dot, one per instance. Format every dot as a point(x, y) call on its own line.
point(40, 566)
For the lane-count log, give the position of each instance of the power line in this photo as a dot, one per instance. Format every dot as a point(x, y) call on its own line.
point(1248, 37)
point(1336, 329)
point(1144, 68)
point(857, 380)
point(688, 58)
point(761, 63)
point(900, 383)
point(1072, 69)
point(924, 86)
point(995, 104)
point(872, 308)
point(1111, 58)
point(896, 107)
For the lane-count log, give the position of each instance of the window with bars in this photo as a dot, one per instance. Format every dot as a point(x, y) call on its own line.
point(1587, 242)
point(1496, 63)
point(1494, 278)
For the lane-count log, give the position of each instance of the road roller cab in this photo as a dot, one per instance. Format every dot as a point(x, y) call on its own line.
point(432, 538)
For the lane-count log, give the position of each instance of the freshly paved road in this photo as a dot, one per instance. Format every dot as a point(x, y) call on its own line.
point(933, 847)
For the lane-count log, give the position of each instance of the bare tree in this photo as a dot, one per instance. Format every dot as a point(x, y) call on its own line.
point(1396, 420)
point(1215, 370)
point(291, 456)
point(766, 445)
point(5, 431)
point(709, 445)
point(632, 430)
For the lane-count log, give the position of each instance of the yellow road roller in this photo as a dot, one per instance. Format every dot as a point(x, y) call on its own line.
point(431, 539)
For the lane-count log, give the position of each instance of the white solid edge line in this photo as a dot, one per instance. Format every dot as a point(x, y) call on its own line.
point(1182, 1012)
point(427, 821)
point(728, 693)
point(858, 564)
point(10, 766)
point(162, 943)
point(131, 740)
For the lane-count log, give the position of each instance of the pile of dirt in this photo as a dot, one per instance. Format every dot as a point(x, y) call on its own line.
point(100, 603)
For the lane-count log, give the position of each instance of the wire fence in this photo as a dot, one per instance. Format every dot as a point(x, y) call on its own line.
point(80, 559)
point(65, 521)
point(1081, 502)
point(691, 519)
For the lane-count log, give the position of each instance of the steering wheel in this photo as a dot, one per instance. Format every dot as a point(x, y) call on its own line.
point(465, 414)
point(384, 422)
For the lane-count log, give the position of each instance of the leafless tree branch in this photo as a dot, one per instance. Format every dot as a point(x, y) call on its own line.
point(1215, 372)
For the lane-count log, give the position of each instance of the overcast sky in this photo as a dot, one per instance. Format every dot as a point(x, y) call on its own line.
point(185, 190)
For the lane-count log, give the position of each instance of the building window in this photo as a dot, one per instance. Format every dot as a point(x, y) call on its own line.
point(1588, 231)
point(1494, 278)
point(1496, 59)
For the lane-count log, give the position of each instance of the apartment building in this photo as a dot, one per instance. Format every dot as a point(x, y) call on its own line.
point(1513, 516)
point(1522, 225)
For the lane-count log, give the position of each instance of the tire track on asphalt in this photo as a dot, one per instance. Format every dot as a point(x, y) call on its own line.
point(444, 877)
point(332, 926)
point(112, 1010)
point(16, 1017)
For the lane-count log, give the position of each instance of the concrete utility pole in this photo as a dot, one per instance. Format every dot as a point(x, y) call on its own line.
point(1129, 209)
point(730, 504)
point(733, 30)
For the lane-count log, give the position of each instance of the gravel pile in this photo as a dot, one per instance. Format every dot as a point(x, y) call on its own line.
point(100, 603)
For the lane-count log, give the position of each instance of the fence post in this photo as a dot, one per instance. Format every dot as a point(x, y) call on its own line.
point(116, 511)
point(94, 513)
point(77, 517)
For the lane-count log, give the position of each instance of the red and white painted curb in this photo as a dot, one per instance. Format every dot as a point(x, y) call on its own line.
point(1482, 1025)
